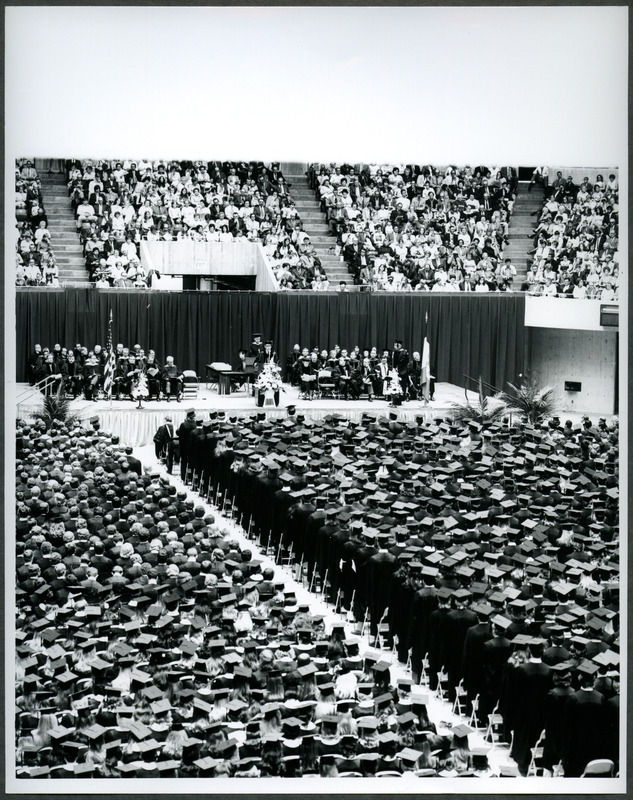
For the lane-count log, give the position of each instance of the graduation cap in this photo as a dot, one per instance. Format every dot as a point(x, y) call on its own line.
point(502, 622)
point(409, 756)
point(383, 700)
point(587, 667)
point(461, 730)
point(406, 719)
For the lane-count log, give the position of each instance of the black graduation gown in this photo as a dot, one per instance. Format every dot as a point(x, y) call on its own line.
point(472, 659)
point(457, 624)
point(424, 603)
point(583, 731)
point(378, 576)
point(436, 643)
point(532, 683)
point(555, 705)
point(184, 432)
point(495, 655)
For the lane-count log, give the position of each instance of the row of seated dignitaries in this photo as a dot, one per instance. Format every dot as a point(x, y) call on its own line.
point(490, 553)
point(149, 644)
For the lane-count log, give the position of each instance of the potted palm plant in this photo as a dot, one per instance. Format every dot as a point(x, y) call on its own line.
point(533, 403)
point(485, 410)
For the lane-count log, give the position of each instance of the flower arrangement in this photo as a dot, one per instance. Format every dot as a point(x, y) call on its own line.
point(394, 388)
point(139, 390)
point(269, 379)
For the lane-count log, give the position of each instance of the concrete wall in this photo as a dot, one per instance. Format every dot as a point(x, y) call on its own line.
point(589, 357)
point(562, 312)
point(174, 259)
point(204, 258)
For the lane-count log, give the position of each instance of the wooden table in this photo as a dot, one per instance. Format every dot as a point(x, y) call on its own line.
point(224, 379)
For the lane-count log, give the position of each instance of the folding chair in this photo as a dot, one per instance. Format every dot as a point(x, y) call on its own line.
point(383, 635)
point(442, 684)
point(495, 723)
point(325, 384)
point(459, 704)
point(189, 384)
point(535, 768)
point(424, 674)
point(599, 768)
point(287, 556)
point(474, 713)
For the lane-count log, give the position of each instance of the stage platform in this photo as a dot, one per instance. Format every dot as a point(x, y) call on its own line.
point(136, 426)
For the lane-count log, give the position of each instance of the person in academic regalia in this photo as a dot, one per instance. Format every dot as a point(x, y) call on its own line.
point(256, 347)
point(457, 623)
point(436, 638)
point(183, 439)
point(49, 371)
point(496, 652)
point(414, 374)
point(555, 710)
point(424, 603)
point(583, 724)
point(378, 574)
point(73, 375)
point(268, 355)
point(172, 379)
point(472, 657)
point(153, 374)
point(531, 685)
point(164, 443)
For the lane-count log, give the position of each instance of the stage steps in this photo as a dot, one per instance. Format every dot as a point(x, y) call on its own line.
point(523, 221)
point(65, 241)
point(315, 225)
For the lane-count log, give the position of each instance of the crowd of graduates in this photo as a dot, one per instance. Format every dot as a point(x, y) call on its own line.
point(489, 556)
point(576, 240)
point(412, 227)
point(150, 643)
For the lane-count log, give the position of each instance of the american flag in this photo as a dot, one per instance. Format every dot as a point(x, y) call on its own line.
point(108, 371)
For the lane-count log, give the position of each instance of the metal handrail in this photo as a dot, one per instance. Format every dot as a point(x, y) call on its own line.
point(43, 384)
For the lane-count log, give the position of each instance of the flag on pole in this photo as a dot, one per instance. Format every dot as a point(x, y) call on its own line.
point(425, 377)
point(108, 371)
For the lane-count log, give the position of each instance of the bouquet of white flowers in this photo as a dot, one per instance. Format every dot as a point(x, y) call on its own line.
point(269, 379)
point(139, 390)
point(394, 387)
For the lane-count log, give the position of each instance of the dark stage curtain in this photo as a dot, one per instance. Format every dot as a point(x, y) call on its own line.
point(469, 334)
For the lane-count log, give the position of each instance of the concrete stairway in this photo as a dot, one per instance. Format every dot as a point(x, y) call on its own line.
point(522, 224)
point(315, 226)
point(65, 241)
